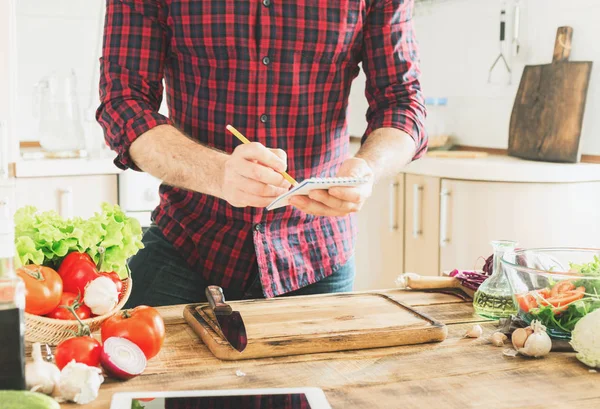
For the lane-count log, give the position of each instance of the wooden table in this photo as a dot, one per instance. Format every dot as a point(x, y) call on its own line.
point(457, 373)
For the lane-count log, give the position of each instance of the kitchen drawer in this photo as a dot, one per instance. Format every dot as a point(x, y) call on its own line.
point(70, 195)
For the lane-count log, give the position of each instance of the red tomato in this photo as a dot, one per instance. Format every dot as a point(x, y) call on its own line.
point(77, 270)
point(70, 300)
point(562, 300)
point(116, 279)
point(562, 287)
point(73, 257)
point(142, 325)
point(43, 288)
point(544, 292)
point(85, 350)
point(526, 302)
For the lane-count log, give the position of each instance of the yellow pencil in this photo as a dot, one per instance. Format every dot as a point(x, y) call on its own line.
point(243, 139)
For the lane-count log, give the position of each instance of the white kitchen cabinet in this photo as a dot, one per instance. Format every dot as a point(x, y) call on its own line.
point(68, 195)
point(473, 213)
point(379, 245)
point(422, 221)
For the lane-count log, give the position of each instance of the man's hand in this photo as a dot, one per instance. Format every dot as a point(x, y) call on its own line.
point(251, 178)
point(339, 201)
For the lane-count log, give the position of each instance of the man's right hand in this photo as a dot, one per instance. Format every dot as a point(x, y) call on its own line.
point(251, 175)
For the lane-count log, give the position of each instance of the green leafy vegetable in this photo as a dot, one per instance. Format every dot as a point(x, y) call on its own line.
point(565, 321)
point(46, 238)
point(588, 269)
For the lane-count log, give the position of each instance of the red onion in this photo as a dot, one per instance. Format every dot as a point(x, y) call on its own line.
point(469, 279)
point(122, 359)
point(488, 267)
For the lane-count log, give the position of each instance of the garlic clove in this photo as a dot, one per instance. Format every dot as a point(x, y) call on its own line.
point(498, 339)
point(475, 332)
point(519, 336)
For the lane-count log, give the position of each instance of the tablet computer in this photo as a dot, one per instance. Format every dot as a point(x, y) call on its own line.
point(277, 398)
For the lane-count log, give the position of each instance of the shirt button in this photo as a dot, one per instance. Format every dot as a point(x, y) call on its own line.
point(266, 3)
point(266, 60)
point(258, 227)
point(264, 118)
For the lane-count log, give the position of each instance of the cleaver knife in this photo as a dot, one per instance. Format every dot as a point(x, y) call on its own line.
point(230, 322)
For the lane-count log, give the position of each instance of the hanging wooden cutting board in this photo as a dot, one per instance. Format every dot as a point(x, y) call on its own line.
point(314, 324)
point(546, 119)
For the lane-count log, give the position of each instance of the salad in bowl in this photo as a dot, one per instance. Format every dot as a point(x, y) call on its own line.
point(556, 286)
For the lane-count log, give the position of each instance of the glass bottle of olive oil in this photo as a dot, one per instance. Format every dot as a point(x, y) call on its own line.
point(12, 304)
point(494, 297)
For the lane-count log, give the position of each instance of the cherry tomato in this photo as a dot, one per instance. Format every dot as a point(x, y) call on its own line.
point(77, 270)
point(562, 287)
point(142, 325)
point(43, 288)
point(85, 350)
point(70, 300)
point(116, 279)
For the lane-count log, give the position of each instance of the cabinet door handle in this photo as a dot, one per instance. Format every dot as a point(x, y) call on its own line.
point(66, 202)
point(394, 206)
point(417, 192)
point(444, 197)
point(3, 150)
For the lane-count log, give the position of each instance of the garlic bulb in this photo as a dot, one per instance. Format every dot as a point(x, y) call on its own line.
point(80, 383)
point(532, 341)
point(101, 295)
point(41, 376)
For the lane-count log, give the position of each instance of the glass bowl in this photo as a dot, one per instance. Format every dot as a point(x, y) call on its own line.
point(557, 286)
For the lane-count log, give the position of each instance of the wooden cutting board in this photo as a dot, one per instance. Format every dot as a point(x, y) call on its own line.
point(546, 119)
point(314, 324)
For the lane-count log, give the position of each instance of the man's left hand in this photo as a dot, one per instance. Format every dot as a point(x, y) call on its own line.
point(339, 201)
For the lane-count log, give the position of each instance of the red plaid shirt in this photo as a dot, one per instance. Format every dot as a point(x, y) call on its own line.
point(279, 71)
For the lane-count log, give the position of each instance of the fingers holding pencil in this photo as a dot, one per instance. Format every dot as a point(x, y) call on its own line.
point(253, 175)
point(279, 153)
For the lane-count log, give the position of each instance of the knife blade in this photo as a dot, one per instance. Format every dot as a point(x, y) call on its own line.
point(230, 322)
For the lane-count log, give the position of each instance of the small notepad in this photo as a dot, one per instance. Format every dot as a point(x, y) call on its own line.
point(304, 187)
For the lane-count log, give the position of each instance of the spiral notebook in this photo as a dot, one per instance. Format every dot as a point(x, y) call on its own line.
point(307, 185)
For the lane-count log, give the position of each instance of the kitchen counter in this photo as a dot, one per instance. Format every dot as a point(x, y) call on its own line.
point(65, 167)
point(457, 373)
point(502, 168)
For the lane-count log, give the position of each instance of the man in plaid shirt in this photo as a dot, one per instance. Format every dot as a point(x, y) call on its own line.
point(279, 71)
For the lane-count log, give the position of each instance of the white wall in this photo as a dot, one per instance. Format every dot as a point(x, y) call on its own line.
point(459, 42)
point(58, 35)
point(8, 68)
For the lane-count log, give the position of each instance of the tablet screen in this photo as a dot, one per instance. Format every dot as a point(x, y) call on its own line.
point(282, 401)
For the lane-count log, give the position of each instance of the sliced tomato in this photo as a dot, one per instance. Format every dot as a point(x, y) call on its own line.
point(562, 287)
point(544, 292)
point(567, 297)
point(526, 302)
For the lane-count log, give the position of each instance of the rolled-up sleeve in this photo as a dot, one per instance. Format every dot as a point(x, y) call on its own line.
point(390, 61)
point(131, 73)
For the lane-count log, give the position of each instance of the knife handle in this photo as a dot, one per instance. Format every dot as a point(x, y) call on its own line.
point(216, 299)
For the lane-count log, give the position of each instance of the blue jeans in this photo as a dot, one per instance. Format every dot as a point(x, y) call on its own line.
point(162, 277)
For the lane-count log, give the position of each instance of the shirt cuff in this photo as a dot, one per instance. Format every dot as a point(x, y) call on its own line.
point(135, 127)
point(405, 123)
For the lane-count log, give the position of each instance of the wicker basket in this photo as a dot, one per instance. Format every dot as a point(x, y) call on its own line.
point(51, 331)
